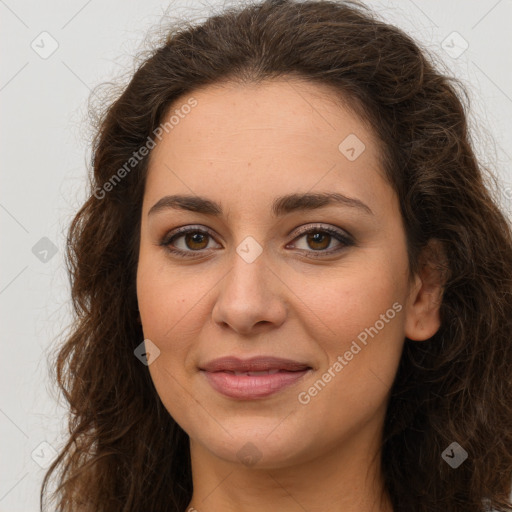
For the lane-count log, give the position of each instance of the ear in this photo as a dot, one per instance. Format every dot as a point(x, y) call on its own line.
point(423, 318)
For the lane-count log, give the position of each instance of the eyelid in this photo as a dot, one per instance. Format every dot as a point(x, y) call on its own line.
point(339, 234)
point(343, 237)
point(183, 230)
point(321, 227)
point(188, 227)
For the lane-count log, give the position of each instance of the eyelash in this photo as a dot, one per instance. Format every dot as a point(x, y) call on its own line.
point(338, 235)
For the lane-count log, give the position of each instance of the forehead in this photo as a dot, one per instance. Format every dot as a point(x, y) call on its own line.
point(265, 136)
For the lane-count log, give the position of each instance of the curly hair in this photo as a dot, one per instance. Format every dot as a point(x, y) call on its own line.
point(454, 387)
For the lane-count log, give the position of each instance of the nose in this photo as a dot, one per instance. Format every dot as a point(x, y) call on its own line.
point(250, 297)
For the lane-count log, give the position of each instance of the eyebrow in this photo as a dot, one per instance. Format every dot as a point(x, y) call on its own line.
point(281, 205)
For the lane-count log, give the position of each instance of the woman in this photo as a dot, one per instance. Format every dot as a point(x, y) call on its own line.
point(292, 286)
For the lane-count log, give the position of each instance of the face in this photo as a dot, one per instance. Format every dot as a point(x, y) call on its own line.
point(248, 267)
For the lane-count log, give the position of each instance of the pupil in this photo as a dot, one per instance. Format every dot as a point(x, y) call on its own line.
point(317, 238)
point(195, 238)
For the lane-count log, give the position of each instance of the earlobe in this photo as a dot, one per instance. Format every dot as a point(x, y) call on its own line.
point(423, 314)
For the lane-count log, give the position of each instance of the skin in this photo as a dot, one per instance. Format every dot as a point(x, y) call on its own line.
point(242, 146)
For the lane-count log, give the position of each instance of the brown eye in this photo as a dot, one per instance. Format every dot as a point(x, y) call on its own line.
point(187, 241)
point(196, 240)
point(318, 240)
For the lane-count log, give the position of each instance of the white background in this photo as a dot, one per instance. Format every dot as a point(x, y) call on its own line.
point(44, 150)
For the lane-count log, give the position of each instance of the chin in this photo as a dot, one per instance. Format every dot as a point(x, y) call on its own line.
point(256, 444)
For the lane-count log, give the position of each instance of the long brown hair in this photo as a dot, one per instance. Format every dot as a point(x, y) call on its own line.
point(124, 451)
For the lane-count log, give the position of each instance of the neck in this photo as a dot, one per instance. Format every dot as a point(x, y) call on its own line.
point(344, 478)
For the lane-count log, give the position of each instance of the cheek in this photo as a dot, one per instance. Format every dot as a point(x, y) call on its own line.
point(173, 305)
point(360, 317)
point(167, 300)
point(347, 303)
point(362, 339)
point(169, 306)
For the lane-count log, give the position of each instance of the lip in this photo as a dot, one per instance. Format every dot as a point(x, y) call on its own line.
point(228, 375)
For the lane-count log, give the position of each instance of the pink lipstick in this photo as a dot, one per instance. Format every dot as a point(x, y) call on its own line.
point(257, 377)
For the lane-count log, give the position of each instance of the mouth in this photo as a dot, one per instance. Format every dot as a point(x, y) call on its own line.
point(253, 378)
